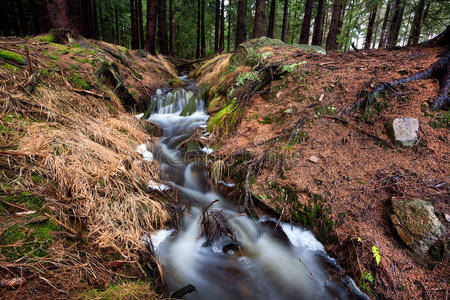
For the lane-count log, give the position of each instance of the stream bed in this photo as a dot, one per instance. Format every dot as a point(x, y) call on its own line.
point(256, 259)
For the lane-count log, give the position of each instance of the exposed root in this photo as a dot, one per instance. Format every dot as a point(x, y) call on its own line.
point(439, 70)
point(214, 224)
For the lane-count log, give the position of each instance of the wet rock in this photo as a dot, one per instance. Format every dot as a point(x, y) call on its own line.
point(404, 131)
point(416, 224)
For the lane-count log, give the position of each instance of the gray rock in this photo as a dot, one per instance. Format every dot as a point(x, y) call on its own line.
point(404, 131)
point(416, 224)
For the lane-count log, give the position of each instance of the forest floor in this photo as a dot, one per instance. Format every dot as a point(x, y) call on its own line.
point(340, 164)
point(74, 202)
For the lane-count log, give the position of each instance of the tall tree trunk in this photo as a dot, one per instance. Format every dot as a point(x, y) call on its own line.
point(241, 22)
point(284, 29)
point(198, 29)
point(260, 19)
point(13, 13)
point(35, 15)
point(349, 11)
point(217, 26)
point(377, 23)
point(202, 30)
point(134, 25)
point(56, 15)
point(383, 33)
point(395, 22)
point(222, 27)
point(140, 25)
point(22, 19)
point(171, 29)
point(293, 29)
point(95, 19)
point(417, 23)
point(4, 26)
point(306, 24)
point(102, 23)
point(152, 8)
point(116, 19)
point(318, 23)
point(270, 29)
point(334, 26)
point(162, 27)
point(229, 26)
point(373, 14)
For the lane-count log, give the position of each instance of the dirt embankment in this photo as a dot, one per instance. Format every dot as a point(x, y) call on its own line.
point(74, 203)
point(285, 128)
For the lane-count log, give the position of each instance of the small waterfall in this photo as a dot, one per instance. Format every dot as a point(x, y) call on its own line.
point(255, 265)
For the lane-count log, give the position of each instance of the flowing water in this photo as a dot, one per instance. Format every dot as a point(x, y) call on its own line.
point(257, 261)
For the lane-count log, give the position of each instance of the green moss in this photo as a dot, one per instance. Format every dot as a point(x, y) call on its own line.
point(76, 79)
point(28, 200)
point(126, 290)
point(32, 240)
point(175, 82)
point(64, 49)
point(224, 119)
point(49, 38)
point(37, 179)
point(11, 56)
point(11, 67)
point(441, 120)
point(110, 107)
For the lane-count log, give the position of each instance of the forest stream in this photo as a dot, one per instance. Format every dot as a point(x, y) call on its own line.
point(255, 259)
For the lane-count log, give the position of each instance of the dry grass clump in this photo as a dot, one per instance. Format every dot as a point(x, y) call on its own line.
point(211, 70)
point(89, 156)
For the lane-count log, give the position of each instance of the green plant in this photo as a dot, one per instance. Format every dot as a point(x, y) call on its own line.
point(78, 81)
point(325, 111)
point(290, 68)
point(298, 137)
point(365, 281)
point(240, 80)
point(11, 56)
point(376, 254)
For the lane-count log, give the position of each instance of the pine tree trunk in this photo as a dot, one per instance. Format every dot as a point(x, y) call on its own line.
point(383, 34)
point(369, 33)
point(241, 22)
point(270, 29)
point(140, 25)
point(22, 19)
point(198, 29)
point(162, 27)
point(293, 30)
point(171, 29)
point(134, 28)
point(4, 26)
point(15, 20)
point(375, 32)
point(260, 19)
point(306, 24)
point(217, 26)
point(222, 27)
point(56, 15)
point(152, 8)
point(318, 23)
point(95, 19)
point(392, 34)
point(284, 30)
point(334, 26)
point(100, 13)
point(116, 21)
point(229, 26)
point(417, 23)
point(35, 8)
point(202, 30)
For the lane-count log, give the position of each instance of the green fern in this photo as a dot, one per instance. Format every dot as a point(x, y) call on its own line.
point(365, 281)
point(376, 254)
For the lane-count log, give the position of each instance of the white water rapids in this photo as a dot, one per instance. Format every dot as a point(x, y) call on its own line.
point(262, 262)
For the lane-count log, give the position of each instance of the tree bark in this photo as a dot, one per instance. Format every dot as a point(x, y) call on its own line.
point(284, 29)
point(56, 15)
point(152, 8)
point(417, 23)
point(241, 22)
point(197, 54)
point(22, 19)
point(306, 24)
point(171, 29)
point(162, 27)
point(394, 23)
point(260, 19)
point(229, 26)
point(116, 18)
point(134, 27)
point(222, 27)
point(140, 24)
point(376, 25)
point(383, 34)
point(202, 30)
point(373, 14)
point(318, 23)
point(334, 26)
point(217, 27)
point(270, 29)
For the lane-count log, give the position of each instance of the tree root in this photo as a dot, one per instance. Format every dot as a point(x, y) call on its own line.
point(439, 70)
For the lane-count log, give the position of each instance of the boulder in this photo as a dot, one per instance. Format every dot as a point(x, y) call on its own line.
point(416, 224)
point(404, 131)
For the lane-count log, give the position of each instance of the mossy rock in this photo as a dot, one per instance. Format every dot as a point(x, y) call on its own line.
point(225, 119)
point(190, 107)
point(12, 57)
point(175, 82)
point(216, 103)
point(311, 48)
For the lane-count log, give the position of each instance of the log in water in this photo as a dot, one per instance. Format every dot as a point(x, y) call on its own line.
point(254, 262)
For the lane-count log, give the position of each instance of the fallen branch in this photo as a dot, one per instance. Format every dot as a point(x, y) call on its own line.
point(90, 93)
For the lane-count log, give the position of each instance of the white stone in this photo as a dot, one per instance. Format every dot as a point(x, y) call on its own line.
point(405, 131)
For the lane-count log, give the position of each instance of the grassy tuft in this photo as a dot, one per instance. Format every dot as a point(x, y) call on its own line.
point(11, 56)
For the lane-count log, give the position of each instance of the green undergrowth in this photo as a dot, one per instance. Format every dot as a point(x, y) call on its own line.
point(48, 38)
point(79, 82)
point(13, 57)
point(224, 119)
point(438, 119)
point(28, 235)
point(121, 291)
